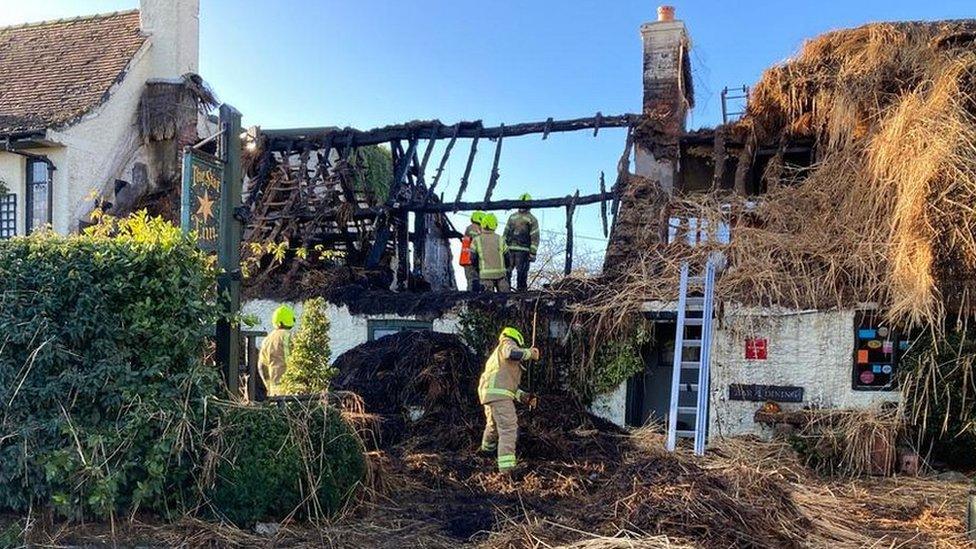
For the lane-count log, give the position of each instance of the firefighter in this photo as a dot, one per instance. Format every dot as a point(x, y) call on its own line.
point(498, 389)
point(488, 253)
point(522, 242)
point(470, 269)
point(273, 358)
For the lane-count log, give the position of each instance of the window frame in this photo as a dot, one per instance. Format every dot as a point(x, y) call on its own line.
point(5, 208)
point(29, 193)
point(383, 324)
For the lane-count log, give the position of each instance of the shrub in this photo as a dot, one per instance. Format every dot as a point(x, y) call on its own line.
point(309, 370)
point(294, 460)
point(101, 374)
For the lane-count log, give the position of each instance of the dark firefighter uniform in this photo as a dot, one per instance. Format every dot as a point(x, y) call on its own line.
point(498, 389)
point(522, 242)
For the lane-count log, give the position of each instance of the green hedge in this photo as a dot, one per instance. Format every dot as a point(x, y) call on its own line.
point(296, 460)
point(101, 373)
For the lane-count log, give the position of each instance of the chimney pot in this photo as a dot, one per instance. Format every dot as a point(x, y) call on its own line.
point(665, 13)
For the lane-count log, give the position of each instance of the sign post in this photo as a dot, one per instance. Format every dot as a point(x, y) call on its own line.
point(211, 206)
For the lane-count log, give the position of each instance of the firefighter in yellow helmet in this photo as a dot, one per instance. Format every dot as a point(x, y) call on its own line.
point(522, 243)
point(470, 267)
point(273, 358)
point(488, 253)
point(498, 389)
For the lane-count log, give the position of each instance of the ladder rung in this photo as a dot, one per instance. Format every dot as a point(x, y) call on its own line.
point(687, 434)
point(690, 365)
point(696, 279)
point(688, 410)
point(694, 300)
point(691, 343)
point(694, 321)
point(688, 387)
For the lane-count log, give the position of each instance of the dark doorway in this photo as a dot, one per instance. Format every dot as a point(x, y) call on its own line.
point(649, 391)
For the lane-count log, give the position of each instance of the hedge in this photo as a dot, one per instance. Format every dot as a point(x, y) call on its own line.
point(108, 402)
point(282, 460)
point(101, 373)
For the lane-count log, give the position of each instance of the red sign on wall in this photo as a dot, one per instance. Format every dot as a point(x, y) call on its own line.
point(756, 348)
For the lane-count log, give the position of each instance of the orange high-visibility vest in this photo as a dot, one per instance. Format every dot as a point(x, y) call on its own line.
point(465, 257)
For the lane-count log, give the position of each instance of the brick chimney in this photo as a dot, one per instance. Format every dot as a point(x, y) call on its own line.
point(173, 27)
point(667, 96)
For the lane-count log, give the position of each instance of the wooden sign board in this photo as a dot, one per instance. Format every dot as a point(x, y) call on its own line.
point(200, 206)
point(762, 393)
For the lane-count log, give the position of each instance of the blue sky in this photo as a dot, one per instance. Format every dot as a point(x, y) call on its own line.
point(366, 63)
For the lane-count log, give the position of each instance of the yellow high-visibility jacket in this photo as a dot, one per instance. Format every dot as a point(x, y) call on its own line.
point(489, 256)
point(503, 372)
point(273, 359)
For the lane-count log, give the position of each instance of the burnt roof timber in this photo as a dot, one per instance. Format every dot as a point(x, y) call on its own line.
point(290, 139)
point(439, 207)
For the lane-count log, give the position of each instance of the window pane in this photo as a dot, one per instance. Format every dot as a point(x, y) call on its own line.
point(39, 172)
point(39, 189)
point(8, 216)
point(39, 212)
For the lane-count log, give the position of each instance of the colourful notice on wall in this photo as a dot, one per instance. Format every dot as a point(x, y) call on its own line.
point(862, 356)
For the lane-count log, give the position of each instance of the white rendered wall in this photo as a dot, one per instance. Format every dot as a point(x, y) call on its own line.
point(99, 149)
point(13, 171)
point(345, 329)
point(813, 350)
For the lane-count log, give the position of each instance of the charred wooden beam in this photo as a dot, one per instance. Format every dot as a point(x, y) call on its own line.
point(440, 167)
point(493, 179)
point(435, 129)
point(509, 204)
point(383, 218)
point(467, 167)
point(570, 210)
point(603, 205)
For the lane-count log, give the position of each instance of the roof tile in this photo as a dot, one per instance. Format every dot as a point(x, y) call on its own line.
point(53, 72)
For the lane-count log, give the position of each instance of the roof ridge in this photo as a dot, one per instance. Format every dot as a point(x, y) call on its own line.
point(32, 24)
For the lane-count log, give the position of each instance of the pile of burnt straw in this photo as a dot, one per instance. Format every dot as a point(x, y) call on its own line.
point(422, 386)
point(581, 474)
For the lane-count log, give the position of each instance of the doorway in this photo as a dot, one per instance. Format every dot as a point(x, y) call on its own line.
point(649, 391)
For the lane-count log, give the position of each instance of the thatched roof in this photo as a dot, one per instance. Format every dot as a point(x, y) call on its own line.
point(885, 214)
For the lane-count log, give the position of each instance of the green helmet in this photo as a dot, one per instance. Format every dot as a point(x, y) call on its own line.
point(476, 217)
point(283, 317)
point(513, 333)
point(489, 221)
point(525, 197)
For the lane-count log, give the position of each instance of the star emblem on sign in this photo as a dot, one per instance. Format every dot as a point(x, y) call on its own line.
point(205, 210)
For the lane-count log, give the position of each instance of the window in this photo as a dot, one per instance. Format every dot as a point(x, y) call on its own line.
point(379, 328)
point(877, 349)
point(8, 215)
point(38, 194)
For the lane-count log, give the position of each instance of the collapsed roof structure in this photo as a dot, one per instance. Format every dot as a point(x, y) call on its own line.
point(308, 187)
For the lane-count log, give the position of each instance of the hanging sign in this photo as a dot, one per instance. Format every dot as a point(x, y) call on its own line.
point(200, 206)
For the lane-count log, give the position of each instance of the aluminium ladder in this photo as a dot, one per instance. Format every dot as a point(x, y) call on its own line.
point(694, 368)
